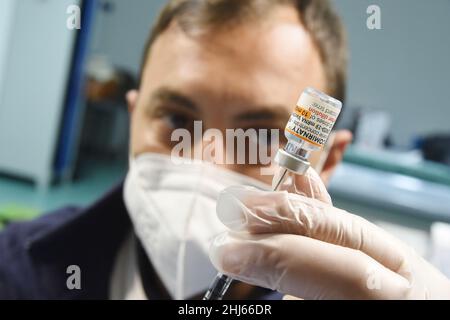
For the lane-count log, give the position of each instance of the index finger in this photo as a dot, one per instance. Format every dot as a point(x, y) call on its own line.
point(262, 212)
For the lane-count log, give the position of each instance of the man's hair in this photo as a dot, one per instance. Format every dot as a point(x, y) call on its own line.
point(318, 17)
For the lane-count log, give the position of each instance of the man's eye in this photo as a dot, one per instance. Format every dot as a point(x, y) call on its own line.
point(176, 121)
point(170, 119)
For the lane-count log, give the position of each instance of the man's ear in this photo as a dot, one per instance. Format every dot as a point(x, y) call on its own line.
point(341, 140)
point(132, 97)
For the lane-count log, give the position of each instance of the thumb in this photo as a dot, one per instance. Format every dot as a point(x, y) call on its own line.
point(309, 185)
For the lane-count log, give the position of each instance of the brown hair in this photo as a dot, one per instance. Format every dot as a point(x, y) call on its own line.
point(318, 17)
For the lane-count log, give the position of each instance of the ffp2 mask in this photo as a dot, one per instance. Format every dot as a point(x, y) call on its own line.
point(172, 207)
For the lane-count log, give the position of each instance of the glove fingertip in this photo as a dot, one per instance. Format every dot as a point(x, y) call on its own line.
point(230, 210)
point(225, 255)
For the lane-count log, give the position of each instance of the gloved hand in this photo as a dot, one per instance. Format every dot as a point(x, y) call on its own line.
point(309, 249)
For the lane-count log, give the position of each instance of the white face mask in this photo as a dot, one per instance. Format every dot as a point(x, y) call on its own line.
point(172, 207)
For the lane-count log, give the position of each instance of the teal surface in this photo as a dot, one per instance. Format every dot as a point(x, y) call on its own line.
point(22, 200)
point(399, 162)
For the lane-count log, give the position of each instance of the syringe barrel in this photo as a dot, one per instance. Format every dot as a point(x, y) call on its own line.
point(218, 288)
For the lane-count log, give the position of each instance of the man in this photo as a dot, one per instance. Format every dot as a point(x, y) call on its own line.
point(228, 63)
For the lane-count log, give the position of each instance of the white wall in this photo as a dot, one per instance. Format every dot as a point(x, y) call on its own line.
point(6, 15)
point(405, 67)
point(35, 77)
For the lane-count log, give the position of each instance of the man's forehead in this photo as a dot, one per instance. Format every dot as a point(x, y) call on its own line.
point(280, 36)
point(276, 52)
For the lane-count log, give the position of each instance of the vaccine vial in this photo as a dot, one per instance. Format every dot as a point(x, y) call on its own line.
point(307, 130)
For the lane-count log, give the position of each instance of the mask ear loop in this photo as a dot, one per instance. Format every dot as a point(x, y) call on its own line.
point(182, 252)
point(131, 158)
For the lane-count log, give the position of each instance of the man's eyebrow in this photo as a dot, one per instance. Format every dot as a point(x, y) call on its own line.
point(264, 114)
point(172, 96)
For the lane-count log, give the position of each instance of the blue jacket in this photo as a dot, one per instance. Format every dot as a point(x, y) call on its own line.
point(35, 255)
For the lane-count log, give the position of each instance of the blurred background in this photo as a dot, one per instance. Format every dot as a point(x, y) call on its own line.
point(64, 121)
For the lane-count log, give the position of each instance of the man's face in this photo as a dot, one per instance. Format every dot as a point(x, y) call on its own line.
point(246, 77)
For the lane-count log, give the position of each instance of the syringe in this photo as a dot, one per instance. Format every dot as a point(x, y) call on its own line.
point(307, 130)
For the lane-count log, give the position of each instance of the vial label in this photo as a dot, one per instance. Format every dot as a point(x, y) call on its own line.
point(312, 120)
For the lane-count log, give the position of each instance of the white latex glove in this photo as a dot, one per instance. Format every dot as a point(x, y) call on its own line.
point(308, 248)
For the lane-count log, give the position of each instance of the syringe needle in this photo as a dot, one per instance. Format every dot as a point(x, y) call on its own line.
point(277, 184)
